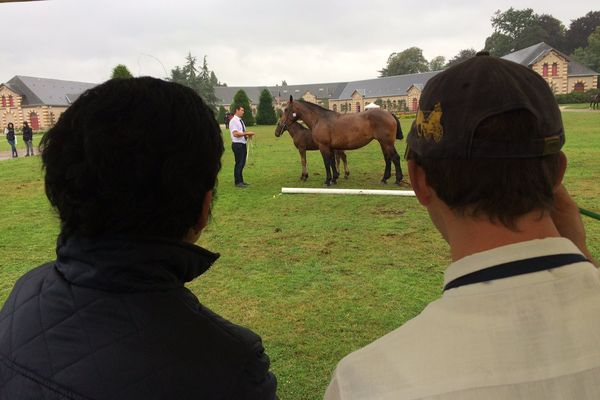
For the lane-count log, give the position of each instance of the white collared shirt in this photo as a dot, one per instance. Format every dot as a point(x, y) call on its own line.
point(531, 336)
point(235, 124)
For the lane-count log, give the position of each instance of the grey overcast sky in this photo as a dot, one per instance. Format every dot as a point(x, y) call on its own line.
point(247, 43)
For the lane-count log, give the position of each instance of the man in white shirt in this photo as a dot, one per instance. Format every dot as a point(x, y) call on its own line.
point(239, 136)
point(519, 317)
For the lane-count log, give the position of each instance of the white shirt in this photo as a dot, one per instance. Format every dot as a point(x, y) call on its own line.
point(531, 336)
point(235, 124)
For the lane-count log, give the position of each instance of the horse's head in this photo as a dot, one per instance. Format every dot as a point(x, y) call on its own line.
point(287, 118)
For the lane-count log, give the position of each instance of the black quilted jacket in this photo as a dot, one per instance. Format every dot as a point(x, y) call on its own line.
point(111, 319)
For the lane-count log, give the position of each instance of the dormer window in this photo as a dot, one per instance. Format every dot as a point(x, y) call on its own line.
point(545, 69)
point(554, 69)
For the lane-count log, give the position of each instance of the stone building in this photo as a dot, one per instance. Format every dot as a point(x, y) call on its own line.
point(401, 93)
point(562, 74)
point(38, 101)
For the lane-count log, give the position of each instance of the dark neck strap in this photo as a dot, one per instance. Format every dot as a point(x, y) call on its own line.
point(514, 268)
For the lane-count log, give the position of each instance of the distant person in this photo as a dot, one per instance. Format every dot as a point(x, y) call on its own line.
point(518, 318)
point(239, 137)
point(9, 131)
point(111, 318)
point(28, 138)
point(227, 118)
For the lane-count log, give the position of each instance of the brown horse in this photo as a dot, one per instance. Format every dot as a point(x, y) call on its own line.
point(594, 101)
point(346, 132)
point(303, 141)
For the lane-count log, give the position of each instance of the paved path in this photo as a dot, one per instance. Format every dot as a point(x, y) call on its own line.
point(5, 155)
point(563, 109)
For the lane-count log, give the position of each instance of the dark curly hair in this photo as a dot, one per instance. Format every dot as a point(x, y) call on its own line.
point(132, 156)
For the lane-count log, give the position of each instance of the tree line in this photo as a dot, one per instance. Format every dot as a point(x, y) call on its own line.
point(514, 29)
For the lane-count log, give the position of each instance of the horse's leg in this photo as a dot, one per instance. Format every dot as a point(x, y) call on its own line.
point(334, 170)
point(396, 160)
point(345, 160)
point(388, 164)
point(304, 175)
point(326, 153)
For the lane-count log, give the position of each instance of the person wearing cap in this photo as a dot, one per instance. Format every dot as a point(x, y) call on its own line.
point(518, 318)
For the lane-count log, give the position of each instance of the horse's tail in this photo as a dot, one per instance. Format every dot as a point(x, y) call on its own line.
point(399, 135)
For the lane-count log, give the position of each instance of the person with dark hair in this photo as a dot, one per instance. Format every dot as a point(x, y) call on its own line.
point(111, 318)
point(518, 318)
point(28, 138)
point(239, 137)
point(9, 131)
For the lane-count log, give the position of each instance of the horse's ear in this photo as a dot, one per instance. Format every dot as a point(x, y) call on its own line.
point(291, 99)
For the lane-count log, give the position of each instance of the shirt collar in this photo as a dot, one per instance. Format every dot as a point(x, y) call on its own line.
point(508, 253)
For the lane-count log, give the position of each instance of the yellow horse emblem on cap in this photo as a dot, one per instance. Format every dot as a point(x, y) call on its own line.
point(430, 125)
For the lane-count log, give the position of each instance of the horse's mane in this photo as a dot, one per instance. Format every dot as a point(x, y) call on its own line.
point(315, 107)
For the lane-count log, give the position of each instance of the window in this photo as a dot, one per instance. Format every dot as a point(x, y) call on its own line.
point(415, 104)
point(11, 102)
point(357, 107)
point(335, 107)
point(554, 69)
point(579, 87)
point(3, 101)
point(545, 69)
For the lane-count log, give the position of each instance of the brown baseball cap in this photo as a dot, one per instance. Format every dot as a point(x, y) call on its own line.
point(457, 100)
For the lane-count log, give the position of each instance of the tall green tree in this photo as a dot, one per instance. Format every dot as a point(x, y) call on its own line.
point(121, 71)
point(221, 115)
point(241, 99)
point(265, 114)
point(409, 61)
point(516, 29)
point(437, 63)
point(590, 55)
point(207, 90)
point(580, 30)
point(554, 31)
point(462, 55)
point(199, 80)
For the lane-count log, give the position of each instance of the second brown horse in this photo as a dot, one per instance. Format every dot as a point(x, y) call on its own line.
point(303, 140)
point(331, 130)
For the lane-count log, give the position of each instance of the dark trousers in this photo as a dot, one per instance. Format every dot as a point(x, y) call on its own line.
point(239, 151)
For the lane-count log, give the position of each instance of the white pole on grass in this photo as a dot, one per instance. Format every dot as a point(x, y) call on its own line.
point(287, 190)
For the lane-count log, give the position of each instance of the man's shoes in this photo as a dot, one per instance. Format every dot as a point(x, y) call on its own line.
point(241, 185)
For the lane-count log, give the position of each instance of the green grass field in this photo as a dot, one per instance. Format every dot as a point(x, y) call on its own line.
point(317, 276)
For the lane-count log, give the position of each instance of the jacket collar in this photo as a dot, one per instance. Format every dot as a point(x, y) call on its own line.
point(126, 263)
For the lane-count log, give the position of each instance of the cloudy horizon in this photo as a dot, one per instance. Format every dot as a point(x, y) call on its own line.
point(246, 44)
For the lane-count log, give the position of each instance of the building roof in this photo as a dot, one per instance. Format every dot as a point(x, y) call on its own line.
point(576, 69)
point(388, 86)
point(530, 55)
point(52, 92)
point(320, 90)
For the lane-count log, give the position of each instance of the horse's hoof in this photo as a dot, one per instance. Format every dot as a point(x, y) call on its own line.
point(384, 182)
point(403, 183)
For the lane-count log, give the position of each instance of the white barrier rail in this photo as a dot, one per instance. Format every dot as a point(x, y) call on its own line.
point(287, 190)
